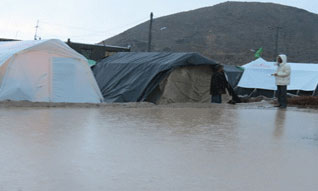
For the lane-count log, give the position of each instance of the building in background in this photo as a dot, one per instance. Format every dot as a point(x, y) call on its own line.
point(96, 52)
point(7, 39)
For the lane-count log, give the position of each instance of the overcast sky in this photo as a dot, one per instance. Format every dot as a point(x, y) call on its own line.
point(92, 21)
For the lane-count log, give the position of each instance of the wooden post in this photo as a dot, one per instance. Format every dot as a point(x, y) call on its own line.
point(150, 32)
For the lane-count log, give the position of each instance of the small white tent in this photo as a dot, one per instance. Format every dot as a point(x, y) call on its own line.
point(45, 71)
point(257, 75)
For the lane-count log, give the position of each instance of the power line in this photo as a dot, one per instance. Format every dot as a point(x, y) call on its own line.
point(89, 32)
point(80, 28)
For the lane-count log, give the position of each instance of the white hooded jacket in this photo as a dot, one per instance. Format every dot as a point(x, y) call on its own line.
point(283, 72)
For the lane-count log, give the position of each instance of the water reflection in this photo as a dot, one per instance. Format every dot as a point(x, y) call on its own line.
point(280, 118)
point(156, 149)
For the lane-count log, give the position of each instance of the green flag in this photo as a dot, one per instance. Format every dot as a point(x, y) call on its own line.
point(258, 53)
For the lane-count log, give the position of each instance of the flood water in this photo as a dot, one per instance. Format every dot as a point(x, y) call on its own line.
point(158, 149)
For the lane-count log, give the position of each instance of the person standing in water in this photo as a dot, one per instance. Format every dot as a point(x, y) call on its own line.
point(282, 78)
point(218, 84)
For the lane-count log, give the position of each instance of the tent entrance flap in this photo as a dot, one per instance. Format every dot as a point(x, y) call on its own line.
point(66, 73)
point(63, 70)
point(186, 84)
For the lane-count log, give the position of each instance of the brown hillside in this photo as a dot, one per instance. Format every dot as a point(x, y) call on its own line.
point(228, 31)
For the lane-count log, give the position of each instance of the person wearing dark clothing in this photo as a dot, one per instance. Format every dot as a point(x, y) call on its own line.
point(282, 96)
point(218, 85)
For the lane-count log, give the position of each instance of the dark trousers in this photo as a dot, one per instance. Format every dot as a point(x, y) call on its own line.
point(216, 98)
point(282, 95)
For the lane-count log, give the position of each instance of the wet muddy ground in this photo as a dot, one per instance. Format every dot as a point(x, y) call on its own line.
point(176, 147)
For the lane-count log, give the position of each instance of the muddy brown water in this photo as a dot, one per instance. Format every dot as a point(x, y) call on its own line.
point(158, 148)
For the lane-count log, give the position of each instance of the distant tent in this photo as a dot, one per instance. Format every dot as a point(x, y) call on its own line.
point(234, 74)
point(45, 71)
point(91, 62)
point(155, 77)
point(257, 80)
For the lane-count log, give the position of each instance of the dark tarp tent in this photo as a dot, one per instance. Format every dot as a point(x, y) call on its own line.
point(151, 76)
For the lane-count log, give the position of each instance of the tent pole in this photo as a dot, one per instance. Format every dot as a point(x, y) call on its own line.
point(252, 92)
point(313, 94)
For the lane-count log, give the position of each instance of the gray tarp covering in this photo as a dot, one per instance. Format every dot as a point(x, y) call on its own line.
point(131, 77)
point(234, 74)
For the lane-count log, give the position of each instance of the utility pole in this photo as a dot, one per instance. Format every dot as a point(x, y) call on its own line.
point(150, 32)
point(36, 30)
point(277, 28)
point(276, 40)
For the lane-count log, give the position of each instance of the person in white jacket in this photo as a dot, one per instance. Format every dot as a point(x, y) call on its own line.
point(282, 77)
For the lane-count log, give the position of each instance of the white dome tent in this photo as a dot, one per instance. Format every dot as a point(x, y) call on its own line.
point(45, 71)
point(257, 76)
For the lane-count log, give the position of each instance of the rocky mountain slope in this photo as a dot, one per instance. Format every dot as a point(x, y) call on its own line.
point(230, 31)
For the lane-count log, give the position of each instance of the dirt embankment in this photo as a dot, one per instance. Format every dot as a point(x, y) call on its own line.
point(82, 105)
point(304, 101)
point(309, 102)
